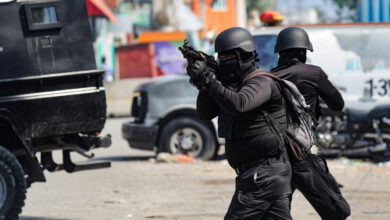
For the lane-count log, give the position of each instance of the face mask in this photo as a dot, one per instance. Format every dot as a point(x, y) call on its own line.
point(228, 71)
point(228, 65)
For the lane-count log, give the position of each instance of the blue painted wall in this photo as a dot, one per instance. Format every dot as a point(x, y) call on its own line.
point(373, 11)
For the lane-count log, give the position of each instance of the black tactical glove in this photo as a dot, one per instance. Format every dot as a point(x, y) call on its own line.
point(200, 74)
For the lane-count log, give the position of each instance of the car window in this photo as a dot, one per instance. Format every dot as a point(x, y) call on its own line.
point(265, 48)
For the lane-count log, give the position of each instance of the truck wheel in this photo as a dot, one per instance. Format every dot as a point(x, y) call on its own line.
point(12, 185)
point(188, 135)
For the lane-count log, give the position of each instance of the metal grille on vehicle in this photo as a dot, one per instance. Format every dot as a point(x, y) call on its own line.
point(139, 106)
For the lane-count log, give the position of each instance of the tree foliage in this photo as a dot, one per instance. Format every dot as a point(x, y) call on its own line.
point(346, 5)
point(349, 4)
point(259, 5)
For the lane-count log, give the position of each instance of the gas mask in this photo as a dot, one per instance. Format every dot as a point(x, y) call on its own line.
point(228, 71)
point(232, 71)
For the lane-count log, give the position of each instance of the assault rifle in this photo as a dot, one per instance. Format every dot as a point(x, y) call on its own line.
point(197, 79)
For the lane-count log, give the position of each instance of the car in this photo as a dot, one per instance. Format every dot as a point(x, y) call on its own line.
point(51, 94)
point(164, 112)
point(353, 55)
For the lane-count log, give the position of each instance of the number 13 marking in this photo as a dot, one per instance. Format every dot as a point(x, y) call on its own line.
point(380, 87)
point(383, 86)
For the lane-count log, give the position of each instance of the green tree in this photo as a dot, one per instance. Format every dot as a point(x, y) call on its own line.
point(259, 5)
point(321, 15)
point(346, 5)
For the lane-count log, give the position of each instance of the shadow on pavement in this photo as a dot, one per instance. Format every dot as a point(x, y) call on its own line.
point(40, 218)
point(219, 157)
point(123, 158)
point(140, 158)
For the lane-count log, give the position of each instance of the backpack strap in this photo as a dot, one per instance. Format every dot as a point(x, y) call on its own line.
point(274, 125)
point(257, 72)
point(261, 72)
point(276, 129)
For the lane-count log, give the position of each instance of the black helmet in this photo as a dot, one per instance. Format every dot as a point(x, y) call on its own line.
point(292, 37)
point(234, 38)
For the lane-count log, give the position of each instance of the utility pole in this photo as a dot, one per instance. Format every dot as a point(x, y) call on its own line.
point(174, 20)
point(203, 13)
point(241, 16)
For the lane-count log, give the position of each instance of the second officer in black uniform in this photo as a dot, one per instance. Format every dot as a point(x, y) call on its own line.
point(240, 99)
point(311, 176)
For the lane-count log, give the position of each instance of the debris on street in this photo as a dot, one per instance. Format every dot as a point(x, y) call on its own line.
point(174, 158)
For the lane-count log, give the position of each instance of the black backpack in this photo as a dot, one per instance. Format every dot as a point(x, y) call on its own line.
point(299, 136)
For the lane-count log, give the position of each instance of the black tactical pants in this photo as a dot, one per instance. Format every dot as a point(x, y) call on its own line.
point(262, 192)
point(320, 188)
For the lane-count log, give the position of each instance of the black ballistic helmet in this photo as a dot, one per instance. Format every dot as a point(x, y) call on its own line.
point(292, 37)
point(235, 38)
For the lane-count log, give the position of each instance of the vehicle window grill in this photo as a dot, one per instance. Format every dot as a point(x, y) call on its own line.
point(139, 106)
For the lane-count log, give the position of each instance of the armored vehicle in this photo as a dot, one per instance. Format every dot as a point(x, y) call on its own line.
point(51, 94)
point(353, 55)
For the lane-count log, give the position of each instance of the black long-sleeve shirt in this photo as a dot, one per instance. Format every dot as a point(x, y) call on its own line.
point(312, 82)
point(247, 137)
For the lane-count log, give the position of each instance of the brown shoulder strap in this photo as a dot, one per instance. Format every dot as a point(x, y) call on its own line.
point(261, 72)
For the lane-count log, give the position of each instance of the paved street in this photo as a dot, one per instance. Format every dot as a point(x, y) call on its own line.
point(135, 187)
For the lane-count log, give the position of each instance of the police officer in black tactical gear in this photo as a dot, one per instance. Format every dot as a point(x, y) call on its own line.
point(241, 99)
point(311, 176)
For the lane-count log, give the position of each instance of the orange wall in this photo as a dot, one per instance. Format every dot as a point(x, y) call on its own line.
point(217, 19)
point(156, 36)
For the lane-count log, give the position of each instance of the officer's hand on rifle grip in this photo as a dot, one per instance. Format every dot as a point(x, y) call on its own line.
point(199, 74)
point(196, 69)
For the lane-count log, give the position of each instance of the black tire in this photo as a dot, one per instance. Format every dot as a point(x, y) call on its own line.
point(12, 185)
point(188, 135)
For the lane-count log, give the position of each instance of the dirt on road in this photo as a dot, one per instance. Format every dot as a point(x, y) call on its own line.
point(136, 187)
